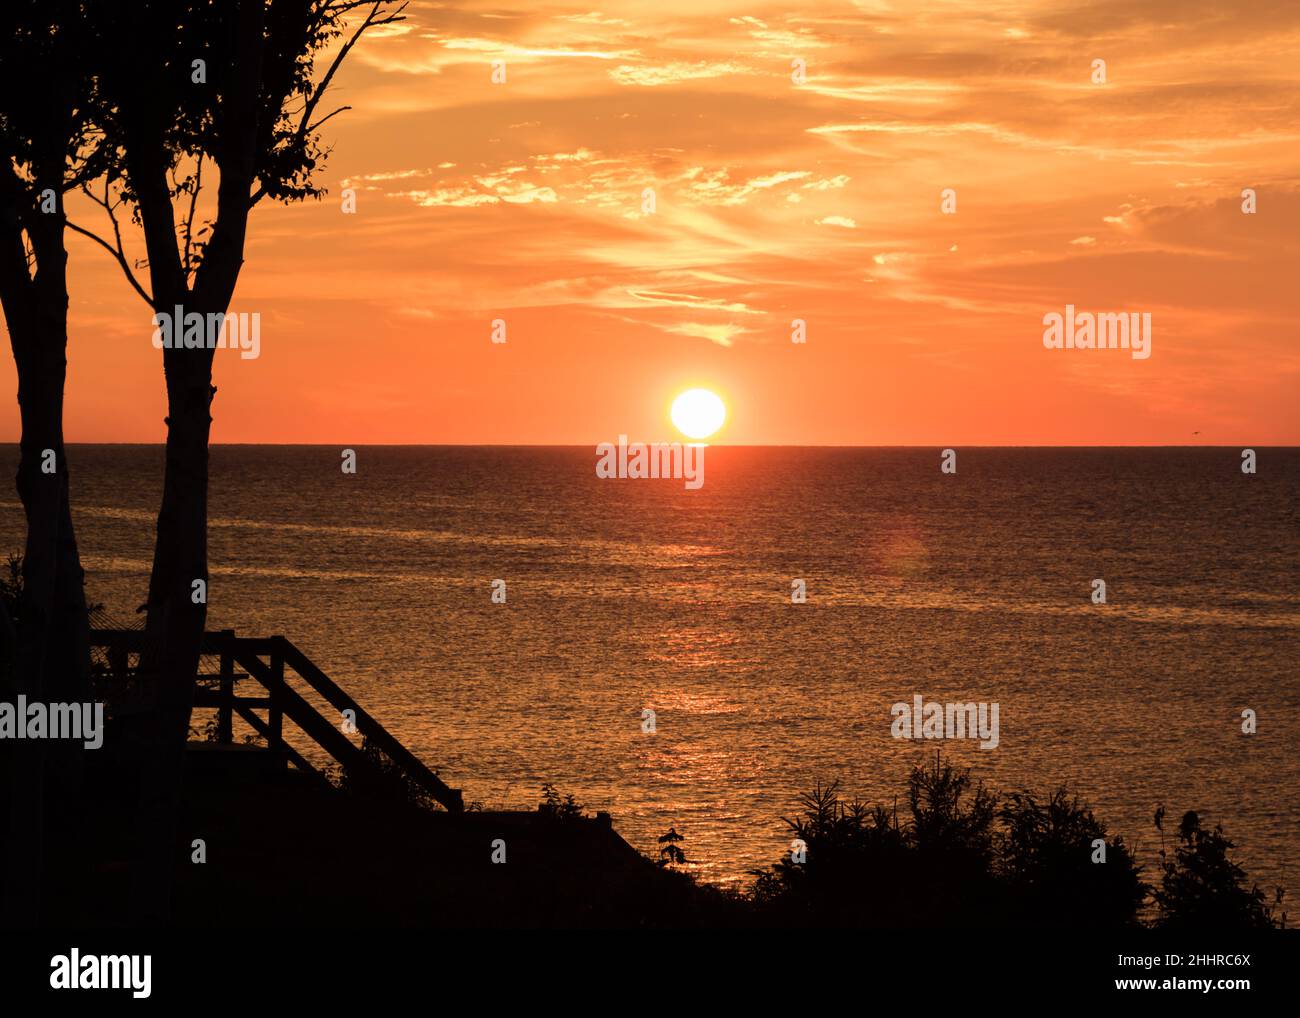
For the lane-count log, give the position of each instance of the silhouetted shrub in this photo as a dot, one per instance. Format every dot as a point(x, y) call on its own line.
point(11, 584)
point(967, 857)
point(385, 780)
point(1050, 861)
point(556, 807)
point(671, 852)
point(848, 847)
point(952, 821)
point(863, 867)
point(1201, 888)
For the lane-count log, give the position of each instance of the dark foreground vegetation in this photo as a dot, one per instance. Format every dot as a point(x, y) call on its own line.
point(961, 855)
point(282, 850)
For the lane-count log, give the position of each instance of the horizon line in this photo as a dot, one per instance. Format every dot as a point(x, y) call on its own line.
point(719, 445)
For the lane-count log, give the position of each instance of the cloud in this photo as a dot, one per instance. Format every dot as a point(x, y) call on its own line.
point(686, 300)
point(652, 75)
point(722, 334)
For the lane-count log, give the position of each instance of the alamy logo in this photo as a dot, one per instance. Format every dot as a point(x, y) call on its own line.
point(72, 971)
point(1100, 331)
point(77, 721)
point(215, 331)
point(680, 461)
point(933, 720)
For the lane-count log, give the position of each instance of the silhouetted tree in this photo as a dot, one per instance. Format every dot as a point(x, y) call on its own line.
point(848, 857)
point(47, 148)
point(1201, 888)
point(952, 818)
point(555, 806)
point(962, 857)
point(253, 118)
point(1054, 868)
point(670, 849)
point(969, 858)
point(864, 867)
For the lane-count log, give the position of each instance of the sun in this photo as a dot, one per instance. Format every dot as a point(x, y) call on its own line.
point(698, 413)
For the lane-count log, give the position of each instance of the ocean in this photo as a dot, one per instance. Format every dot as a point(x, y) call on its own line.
point(626, 596)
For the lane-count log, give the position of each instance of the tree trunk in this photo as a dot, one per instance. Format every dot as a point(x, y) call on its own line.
point(53, 639)
point(174, 630)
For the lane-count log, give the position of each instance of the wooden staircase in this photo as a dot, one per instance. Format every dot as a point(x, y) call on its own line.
point(264, 660)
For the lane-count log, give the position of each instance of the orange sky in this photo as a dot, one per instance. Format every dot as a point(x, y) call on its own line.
point(774, 201)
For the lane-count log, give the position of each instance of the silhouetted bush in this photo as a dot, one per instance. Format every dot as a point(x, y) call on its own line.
point(11, 584)
point(967, 857)
point(952, 821)
point(863, 867)
point(853, 848)
point(383, 780)
point(1052, 864)
point(556, 807)
point(671, 852)
point(1201, 888)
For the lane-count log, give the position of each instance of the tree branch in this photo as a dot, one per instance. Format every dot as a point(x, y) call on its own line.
point(116, 249)
point(189, 219)
point(121, 259)
point(372, 19)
